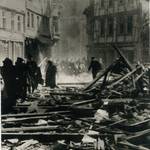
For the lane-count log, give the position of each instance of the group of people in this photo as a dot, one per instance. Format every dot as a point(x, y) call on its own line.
point(73, 67)
point(24, 77)
point(21, 78)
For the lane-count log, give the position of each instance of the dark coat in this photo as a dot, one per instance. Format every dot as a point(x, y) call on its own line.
point(95, 66)
point(21, 79)
point(51, 76)
point(9, 93)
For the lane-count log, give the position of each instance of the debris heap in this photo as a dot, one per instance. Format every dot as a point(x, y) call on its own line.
point(111, 113)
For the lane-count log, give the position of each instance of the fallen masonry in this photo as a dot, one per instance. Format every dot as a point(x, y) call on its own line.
point(110, 113)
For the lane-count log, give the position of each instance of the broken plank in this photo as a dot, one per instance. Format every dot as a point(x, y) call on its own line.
point(84, 102)
point(124, 77)
point(132, 146)
point(50, 108)
point(123, 57)
point(30, 129)
point(48, 137)
point(139, 134)
point(69, 94)
point(25, 119)
point(33, 114)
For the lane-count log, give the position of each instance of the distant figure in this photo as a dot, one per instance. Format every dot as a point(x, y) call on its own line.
point(9, 93)
point(51, 75)
point(31, 69)
point(21, 78)
point(95, 66)
point(38, 77)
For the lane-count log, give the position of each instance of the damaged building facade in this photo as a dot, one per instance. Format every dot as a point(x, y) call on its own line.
point(28, 28)
point(120, 22)
point(11, 29)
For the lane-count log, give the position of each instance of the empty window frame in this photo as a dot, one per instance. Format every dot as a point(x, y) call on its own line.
point(110, 26)
point(129, 24)
point(102, 3)
point(121, 25)
point(102, 27)
point(110, 4)
point(19, 23)
point(32, 20)
point(28, 19)
point(12, 21)
point(4, 19)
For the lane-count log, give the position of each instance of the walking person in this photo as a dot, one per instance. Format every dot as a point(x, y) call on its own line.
point(21, 79)
point(9, 93)
point(95, 67)
point(31, 74)
point(51, 75)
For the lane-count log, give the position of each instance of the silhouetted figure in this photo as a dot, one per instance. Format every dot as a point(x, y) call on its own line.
point(9, 93)
point(31, 69)
point(21, 78)
point(38, 77)
point(95, 66)
point(51, 75)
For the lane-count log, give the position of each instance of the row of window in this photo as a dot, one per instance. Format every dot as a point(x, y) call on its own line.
point(111, 2)
point(123, 26)
point(34, 20)
point(11, 21)
point(15, 22)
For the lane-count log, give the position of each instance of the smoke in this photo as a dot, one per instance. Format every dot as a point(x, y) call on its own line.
point(73, 39)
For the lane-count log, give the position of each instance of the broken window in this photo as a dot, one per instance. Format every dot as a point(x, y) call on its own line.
point(38, 21)
point(121, 25)
point(12, 21)
point(110, 26)
point(32, 18)
point(3, 19)
point(28, 19)
point(110, 3)
point(102, 3)
point(19, 23)
point(103, 27)
point(96, 30)
point(130, 24)
point(121, 2)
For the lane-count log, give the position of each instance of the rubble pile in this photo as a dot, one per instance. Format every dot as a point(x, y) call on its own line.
point(111, 113)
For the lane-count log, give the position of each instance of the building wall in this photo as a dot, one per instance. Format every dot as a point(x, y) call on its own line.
point(42, 29)
point(11, 30)
point(27, 26)
point(119, 22)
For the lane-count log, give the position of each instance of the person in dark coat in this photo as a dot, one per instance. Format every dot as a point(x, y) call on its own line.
point(31, 74)
point(9, 93)
point(21, 78)
point(38, 77)
point(95, 66)
point(51, 75)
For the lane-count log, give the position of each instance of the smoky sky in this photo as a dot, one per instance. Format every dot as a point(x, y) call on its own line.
point(73, 38)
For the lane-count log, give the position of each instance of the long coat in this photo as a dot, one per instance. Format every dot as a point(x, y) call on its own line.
point(51, 76)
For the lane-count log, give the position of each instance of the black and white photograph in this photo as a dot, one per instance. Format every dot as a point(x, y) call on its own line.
point(75, 74)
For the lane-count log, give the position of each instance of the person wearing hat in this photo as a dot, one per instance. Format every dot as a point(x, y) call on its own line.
point(21, 78)
point(9, 93)
point(95, 66)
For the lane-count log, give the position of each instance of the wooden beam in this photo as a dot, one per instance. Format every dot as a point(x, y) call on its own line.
point(44, 137)
point(30, 129)
point(100, 76)
point(84, 102)
point(124, 77)
point(132, 146)
point(123, 57)
point(33, 114)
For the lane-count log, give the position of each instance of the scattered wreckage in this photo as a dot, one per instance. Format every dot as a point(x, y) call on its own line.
point(111, 113)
